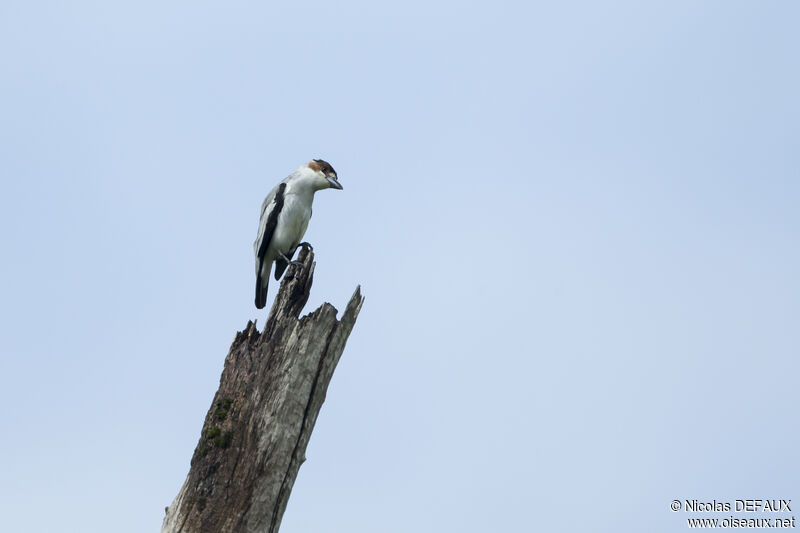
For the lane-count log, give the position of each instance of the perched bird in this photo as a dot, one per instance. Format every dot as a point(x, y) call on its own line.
point(284, 218)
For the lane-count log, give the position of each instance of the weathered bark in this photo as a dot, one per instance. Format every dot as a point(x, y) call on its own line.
point(255, 433)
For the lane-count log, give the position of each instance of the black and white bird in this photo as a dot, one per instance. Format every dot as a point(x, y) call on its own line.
point(284, 218)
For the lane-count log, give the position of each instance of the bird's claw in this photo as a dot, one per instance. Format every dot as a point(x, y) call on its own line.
point(306, 245)
point(289, 264)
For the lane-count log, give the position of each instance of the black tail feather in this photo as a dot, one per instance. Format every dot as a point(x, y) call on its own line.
point(261, 292)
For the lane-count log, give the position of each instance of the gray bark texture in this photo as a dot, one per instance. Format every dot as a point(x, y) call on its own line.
point(256, 431)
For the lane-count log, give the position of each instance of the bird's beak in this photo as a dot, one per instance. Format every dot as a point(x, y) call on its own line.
point(334, 183)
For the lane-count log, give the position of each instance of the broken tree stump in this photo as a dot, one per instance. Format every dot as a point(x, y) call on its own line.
point(256, 431)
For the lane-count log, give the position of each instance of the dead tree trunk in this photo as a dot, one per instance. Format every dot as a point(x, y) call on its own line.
point(256, 431)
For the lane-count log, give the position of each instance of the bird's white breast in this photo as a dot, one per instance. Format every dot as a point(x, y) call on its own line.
point(292, 221)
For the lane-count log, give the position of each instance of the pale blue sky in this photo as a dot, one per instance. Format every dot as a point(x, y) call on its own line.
point(576, 226)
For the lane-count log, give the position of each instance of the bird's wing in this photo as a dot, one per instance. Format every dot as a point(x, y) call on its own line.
point(270, 210)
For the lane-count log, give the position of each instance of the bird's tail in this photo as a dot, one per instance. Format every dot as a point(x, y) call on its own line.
point(262, 282)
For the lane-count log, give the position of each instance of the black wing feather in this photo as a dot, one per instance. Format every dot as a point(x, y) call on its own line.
point(272, 221)
point(269, 230)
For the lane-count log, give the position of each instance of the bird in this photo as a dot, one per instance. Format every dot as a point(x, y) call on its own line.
point(285, 214)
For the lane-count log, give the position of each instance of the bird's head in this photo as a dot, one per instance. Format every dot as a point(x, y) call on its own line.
point(326, 177)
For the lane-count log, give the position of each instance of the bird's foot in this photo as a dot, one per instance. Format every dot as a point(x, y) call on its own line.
point(289, 262)
point(306, 245)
